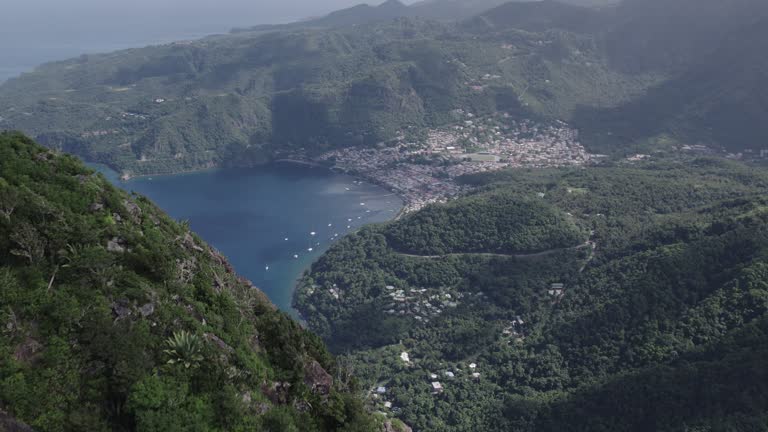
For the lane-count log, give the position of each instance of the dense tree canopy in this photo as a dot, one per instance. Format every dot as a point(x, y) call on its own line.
point(115, 317)
point(658, 323)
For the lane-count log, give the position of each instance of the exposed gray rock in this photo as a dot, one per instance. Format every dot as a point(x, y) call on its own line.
point(317, 379)
point(216, 255)
point(263, 407)
point(116, 245)
point(255, 342)
point(96, 207)
point(122, 309)
point(133, 209)
point(43, 157)
point(389, 427)
point(277, 392)
point(218, 342)
point(186, 269)
point(147, 310)
point(301, 406)
point(189, 242)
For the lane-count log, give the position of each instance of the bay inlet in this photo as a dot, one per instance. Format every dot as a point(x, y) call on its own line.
point(271, 222)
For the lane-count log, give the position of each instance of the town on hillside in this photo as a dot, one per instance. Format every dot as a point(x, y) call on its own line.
point(424, 169)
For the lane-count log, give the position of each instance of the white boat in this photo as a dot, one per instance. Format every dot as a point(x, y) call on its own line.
point(295, 256)
point(267, 268)
point(286, 239)
point(330, 225)
point(309, 249)
point(312, 233)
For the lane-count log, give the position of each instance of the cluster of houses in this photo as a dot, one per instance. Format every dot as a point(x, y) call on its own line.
point(515, 330)
point(556, 290)
point(437, 386)
point(424, 172)
point(420, 303)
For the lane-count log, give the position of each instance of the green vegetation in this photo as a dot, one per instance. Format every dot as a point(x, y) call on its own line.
point(631, 78)
point(660, 323)
point(496, 222)
point(249, 97)
point(115, 317)
point(628, 76)
point(184, 348)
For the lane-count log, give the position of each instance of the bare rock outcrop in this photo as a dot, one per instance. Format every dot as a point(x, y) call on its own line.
point(277, 392)
point(317, 379)
point(133, 209)
point(116, 245)
point(401, 427)
point(210, 337)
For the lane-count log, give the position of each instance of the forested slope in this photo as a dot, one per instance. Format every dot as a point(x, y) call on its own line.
point(496, 223)
point(642, 75)
point(658, 323)
point(116, 317)
point(249, 97)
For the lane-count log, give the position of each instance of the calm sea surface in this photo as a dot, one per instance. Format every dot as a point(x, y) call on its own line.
point(262, 218)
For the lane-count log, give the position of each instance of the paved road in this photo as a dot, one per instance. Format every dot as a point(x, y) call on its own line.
point(530, 255)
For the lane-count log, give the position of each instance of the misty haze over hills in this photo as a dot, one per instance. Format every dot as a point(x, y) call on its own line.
point(38, 31)
point(29, 37)
point(582, 243)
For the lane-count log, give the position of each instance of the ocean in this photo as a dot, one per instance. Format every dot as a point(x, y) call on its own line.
point(266, 220)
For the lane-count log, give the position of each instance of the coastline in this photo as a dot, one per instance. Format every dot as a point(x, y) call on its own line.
point(124, 175)
point(286, 281)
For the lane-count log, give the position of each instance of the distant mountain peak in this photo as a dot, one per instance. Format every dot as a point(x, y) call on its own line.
point(393, 4)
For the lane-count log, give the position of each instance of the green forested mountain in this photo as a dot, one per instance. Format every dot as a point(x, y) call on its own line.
point(356, 15)
point(115, 317)
point(490, 223)
point(251, 96)
point(673, 34)
point(441, 10)
point(659, 322)
point(719, 98)
point(540, 16)
point(639, 75)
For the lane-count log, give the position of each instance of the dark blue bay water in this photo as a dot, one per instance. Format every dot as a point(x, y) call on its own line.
point(249, 214)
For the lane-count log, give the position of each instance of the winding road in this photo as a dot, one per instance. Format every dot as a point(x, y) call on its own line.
point(588, 243)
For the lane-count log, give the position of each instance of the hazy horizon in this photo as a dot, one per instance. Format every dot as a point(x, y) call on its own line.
point(33, 32)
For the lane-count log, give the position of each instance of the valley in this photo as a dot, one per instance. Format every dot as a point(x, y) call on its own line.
point(446, 216)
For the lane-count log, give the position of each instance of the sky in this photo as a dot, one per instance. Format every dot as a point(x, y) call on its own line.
point(69, 15)
point(36, 31)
